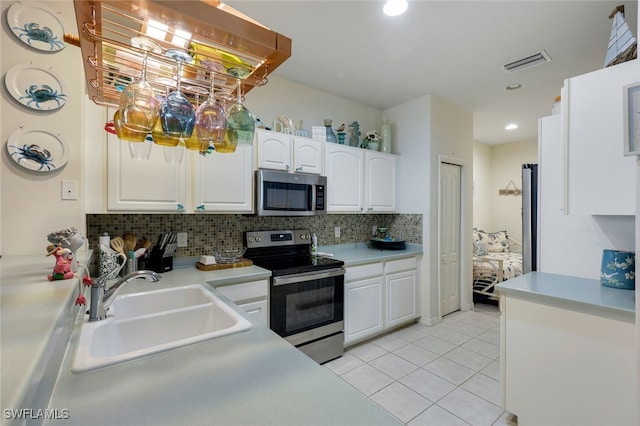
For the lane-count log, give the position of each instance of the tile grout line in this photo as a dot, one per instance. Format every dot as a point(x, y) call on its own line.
point(412, 341)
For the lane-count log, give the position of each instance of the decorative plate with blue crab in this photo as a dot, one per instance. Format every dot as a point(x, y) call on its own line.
point(36, 86)
point(38, 149)
point(37, 26)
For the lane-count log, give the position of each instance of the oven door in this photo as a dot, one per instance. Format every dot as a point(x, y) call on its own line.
point(307, 306)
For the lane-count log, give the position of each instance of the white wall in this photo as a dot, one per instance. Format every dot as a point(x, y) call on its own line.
point(494, 168)
point(481, 186)
point(426, 131)
point(31, 202)
point(312, 106)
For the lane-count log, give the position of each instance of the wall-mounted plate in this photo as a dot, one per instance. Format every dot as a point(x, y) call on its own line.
point(36, 87)
point(38, 149)
point(37, 26)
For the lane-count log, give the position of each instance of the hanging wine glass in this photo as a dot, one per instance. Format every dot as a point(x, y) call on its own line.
point(138, 104)
point(177, 115)
point(211, 119)
point(240, 121)
point(229, 140)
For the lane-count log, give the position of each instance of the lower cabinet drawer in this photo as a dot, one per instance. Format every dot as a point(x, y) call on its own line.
point(258, 310)
point(401, 265)
point(245, 291)
point(363, 271)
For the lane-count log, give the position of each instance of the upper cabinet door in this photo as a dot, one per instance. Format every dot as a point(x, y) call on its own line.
point(224, 182)
point(380, 182)
point(600, 179)
point(143, 185)
point(274, 151)
point(345, 178)
point(308, 155)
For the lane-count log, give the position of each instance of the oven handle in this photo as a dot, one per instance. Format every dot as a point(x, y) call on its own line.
point(308, 276)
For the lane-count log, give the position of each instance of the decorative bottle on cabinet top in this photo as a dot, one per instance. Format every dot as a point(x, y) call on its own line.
point(385, 131)
point(331, 137)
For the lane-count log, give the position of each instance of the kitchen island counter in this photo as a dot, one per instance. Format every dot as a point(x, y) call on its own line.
point(249, 378)
point(568, 351)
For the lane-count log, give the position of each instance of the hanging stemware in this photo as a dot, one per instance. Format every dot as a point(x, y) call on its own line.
point(138, 103)
point(193, 143)
point(211, 119)
point(240, 122)
point(177, 115)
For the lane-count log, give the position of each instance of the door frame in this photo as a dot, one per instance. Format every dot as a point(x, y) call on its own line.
point(466, 213)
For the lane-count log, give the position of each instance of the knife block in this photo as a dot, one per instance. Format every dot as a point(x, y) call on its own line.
point(158, 263)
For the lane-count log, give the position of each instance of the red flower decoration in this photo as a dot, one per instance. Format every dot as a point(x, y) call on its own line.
point(81, 300)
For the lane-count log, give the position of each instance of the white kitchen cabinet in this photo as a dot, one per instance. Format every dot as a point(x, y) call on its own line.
point(281, 151)
point(363, 302)
point(380, 181)
point(360, 180)
point(213, 183)
point(143, 185)
point(599, 178)
point(308, 155)
point(344, 167)
point(224, 182)
point(401, 291)
point(274, 150)
point(252, 297)
point(379, 296)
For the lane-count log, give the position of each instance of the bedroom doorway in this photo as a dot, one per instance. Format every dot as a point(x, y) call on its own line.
point(450, 227)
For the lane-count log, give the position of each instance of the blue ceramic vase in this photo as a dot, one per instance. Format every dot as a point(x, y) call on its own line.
point(618, 269)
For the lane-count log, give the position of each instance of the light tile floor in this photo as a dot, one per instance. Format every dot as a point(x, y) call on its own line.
point(448, 374)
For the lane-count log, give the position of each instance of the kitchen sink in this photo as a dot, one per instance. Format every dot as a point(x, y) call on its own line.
point(152, 302)
point(151, 322)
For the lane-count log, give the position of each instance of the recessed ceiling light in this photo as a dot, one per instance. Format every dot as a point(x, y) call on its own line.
point(511, 126)
point(514, 86)
point(395, 7)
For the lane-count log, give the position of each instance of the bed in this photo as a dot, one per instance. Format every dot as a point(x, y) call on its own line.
point(496, 258)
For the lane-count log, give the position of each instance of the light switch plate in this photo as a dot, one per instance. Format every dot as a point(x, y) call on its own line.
point(69, 189)
point(337, 231)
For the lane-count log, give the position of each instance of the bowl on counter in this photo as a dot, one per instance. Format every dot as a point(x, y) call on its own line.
point(229, 255)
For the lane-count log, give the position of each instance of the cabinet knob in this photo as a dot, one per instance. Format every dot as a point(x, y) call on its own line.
point(299, 169)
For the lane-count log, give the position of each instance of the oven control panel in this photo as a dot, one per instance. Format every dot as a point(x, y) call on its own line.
point(277, 238)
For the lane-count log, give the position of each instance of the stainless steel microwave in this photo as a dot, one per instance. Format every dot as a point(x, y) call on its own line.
point(290, 194)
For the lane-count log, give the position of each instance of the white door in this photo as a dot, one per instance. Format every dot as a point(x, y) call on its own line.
point(449, 238)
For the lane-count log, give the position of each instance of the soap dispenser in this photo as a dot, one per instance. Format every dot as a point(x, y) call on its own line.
point(314, 244)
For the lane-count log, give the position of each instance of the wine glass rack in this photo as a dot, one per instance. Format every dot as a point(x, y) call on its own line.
point(214, 34)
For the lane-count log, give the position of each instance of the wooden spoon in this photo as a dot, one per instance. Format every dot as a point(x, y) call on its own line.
point(117, 244)
point(129, 242)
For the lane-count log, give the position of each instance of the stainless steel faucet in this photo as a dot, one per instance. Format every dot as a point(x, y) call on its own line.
point(101, 298)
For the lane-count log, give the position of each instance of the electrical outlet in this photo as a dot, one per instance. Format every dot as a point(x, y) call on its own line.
point(337, 231)
point(375, 228)
point(69, 189)
point(182, 239)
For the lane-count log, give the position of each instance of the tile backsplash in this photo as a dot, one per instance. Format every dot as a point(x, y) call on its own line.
point(206, 231)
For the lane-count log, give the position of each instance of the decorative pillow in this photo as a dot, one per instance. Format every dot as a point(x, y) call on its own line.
point(496, 242)
point(480, 248)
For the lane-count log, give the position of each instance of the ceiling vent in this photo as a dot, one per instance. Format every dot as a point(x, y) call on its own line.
point(528, 62)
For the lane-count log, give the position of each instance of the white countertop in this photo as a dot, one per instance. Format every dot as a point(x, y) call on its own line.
point(249, 378)
point(354, 254)
point(581, 294)
point(31, 309)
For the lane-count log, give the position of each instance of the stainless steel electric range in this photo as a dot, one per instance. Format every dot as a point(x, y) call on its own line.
point(306, 293)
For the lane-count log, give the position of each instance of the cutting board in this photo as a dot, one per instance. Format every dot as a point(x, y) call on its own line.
point(217, 266)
